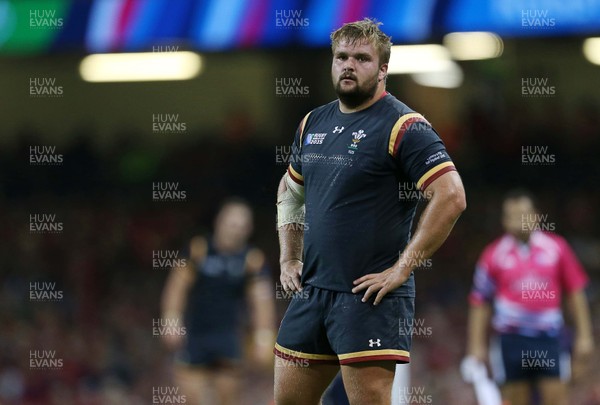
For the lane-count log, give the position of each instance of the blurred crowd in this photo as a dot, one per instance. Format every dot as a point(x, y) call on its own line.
point(101, 261)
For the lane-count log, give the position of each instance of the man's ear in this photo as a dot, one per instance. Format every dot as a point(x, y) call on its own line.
point(382, 72)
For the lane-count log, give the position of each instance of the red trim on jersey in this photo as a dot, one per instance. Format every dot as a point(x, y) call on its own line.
point(405, 125)
point(293, 177)
point(289, 357)
point(395, 357)
point(436, 175)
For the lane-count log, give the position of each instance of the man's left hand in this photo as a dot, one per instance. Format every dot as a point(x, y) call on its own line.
point(382, 283)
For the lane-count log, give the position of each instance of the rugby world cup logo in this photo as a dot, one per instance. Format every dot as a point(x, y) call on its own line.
point(356, 138)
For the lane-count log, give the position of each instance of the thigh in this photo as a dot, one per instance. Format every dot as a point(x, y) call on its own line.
point(226, 380)
point(369, 382)
point(195, 383)
point(361, 332)
point(301, 384)
point(553, 391)
point(302, 336)
point(336, 393)
point(517, 392)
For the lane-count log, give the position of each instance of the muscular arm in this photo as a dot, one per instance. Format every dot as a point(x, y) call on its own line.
point(291, 236)
point(446, 203)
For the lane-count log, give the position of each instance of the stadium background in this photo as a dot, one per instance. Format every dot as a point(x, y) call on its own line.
point(236, 127)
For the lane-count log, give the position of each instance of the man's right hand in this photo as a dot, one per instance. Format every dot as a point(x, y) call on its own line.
point(291, 270)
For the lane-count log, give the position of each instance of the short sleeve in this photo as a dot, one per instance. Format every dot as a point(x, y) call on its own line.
point(484, 282)
point(295, 167)
point(573, 277)
point(419, 150)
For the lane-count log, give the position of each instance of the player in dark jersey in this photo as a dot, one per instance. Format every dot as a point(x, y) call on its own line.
point(346, 249)
point(222, 273)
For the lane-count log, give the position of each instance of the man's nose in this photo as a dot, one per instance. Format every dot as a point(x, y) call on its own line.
point(348, 65)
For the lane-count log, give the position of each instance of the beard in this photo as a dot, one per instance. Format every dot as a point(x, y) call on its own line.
point(359, 93)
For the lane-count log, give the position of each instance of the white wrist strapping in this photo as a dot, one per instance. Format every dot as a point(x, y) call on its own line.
point(290, 203)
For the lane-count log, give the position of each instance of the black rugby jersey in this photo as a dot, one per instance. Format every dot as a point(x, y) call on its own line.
point(217, 297)
point(352, 167)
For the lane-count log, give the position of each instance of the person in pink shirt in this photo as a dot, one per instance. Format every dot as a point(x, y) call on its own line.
point(524, 276)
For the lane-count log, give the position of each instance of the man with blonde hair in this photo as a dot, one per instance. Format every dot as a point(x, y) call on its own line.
point(346, 249)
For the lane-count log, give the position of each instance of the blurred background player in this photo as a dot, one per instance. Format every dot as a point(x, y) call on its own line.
point(223, 273)
point(524, 273)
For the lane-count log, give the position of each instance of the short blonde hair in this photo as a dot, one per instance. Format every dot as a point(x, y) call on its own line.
point(364, 30)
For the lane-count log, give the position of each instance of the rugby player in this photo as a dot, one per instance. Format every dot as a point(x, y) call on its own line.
point(345, 236)
point(222, 274)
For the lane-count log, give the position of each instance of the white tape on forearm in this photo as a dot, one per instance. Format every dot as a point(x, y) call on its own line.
point(290, 203)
